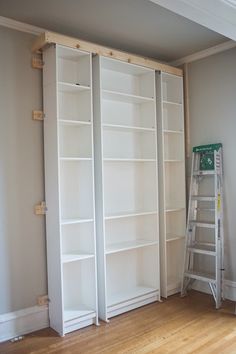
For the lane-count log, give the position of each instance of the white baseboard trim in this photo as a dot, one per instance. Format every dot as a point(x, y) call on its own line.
point(24, 321)
point(32, 319)
point(229, 289)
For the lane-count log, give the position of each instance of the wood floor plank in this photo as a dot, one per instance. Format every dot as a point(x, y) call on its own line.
point(178, 325)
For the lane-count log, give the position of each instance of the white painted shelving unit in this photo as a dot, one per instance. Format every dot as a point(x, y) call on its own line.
point(69, 181)
point(126, 186)
point(171, 180)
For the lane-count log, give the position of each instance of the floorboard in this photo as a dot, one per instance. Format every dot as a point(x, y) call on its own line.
point(178, 325)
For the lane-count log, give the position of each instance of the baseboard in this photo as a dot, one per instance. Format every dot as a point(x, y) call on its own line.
point(229, 289)
point(24, 321)
point(32, 319)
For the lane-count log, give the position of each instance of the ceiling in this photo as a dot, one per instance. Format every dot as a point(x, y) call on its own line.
point(138, 26)
point(217, 15)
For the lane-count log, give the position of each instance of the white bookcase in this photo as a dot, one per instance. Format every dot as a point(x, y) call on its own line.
point(126, 186)
point(69, 183)
point(171, 180)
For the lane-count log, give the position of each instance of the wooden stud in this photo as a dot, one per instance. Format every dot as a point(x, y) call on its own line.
point(37, 62)
point(38, 115)
point(40, 209)
point(48, 38)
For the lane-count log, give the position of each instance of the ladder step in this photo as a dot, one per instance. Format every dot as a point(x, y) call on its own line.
point(204, 198)
point(206, 224)
point(208, 278)
point(208, 249)
point(204, 173)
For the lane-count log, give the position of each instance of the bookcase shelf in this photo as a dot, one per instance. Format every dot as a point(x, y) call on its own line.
point(69, 182)
point(126, 186)
point(72, 88)
point(132, 275)
point(127, 127)
point(171, 181)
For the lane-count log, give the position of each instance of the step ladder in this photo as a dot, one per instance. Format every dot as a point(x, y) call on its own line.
point(206, 163)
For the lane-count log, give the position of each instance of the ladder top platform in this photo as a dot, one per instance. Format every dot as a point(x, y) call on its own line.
point(207, 148)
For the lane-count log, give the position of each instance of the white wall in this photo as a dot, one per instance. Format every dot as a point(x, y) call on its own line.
point(22, 234)
point(212, 86)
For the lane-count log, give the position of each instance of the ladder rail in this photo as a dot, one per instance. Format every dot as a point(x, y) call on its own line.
point(202, 165)
point(183, 283)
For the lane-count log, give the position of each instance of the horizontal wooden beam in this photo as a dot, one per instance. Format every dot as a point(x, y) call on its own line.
point(48, 38)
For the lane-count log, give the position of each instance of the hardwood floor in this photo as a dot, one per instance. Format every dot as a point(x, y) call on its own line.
point(178, 325)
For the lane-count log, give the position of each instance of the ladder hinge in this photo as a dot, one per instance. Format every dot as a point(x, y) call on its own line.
point(37, 62)
point(38, 115)
point(40, 209)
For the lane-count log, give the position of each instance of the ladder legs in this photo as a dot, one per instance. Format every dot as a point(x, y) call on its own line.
point(209, 156)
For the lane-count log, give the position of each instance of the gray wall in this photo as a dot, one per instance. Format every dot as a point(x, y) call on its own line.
point(212, 86)
point(22, 234)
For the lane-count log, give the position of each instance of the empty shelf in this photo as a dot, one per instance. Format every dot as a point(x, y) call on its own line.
point(73, 88)
point(73, 122)
point(73, 257)
point(172, 131)
point(127, 128)
point(127, 160)
point(128, 245)
point(129, 214)
point(171, 102)
point(170, 210)
point(75, 221)
point(173, 237)
point(125, 97)
point(75, 159)
point(81, 311)
point(129, 294)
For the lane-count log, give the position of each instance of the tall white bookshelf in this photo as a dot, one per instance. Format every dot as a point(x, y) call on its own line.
point(126, 186)
point(69, 185)
point(172, 194)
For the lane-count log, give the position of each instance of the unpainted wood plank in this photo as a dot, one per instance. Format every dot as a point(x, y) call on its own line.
point(50, 37)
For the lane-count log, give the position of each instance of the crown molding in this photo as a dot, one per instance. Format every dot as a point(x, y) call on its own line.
point(20, 26)
point(204, 53)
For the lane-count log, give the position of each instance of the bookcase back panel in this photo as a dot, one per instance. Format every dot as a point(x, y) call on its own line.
point(75, 141)
point(131, 229)
point(175, 257)
point(175, 224)
point(129, 187)
point(172, 88)
point(173, 147)
point(173, 117)
point(75, 106)
point(128, 144)
point(76, 189)
point(120, 77)
point(129, 114)
point(128, 272)
point(75, 274)
point(78, 238)
point(174, 185)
